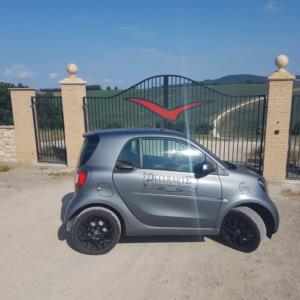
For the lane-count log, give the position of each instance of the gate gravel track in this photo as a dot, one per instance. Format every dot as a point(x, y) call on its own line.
point(224, 114)
point(35, 264)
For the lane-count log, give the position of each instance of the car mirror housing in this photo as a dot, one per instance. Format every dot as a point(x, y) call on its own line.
point(203, 169)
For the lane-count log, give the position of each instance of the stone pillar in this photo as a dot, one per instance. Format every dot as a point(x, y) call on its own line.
point(278, 121)
point(73, 89)
point(24, 124)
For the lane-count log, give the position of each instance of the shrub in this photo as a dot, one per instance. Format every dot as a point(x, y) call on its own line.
point(4, 168)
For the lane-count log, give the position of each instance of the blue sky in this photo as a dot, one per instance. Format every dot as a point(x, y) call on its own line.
point(121, 42)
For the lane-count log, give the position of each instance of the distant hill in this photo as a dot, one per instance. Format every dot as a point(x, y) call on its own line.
point(224, 82)
point(240, 78)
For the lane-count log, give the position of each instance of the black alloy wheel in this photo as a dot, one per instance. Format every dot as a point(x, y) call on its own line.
point(243, 229)
point(96, 230)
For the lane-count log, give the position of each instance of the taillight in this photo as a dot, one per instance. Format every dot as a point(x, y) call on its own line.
point(80, 178)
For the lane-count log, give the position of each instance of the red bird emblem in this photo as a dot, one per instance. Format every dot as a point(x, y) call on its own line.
point(169, 114)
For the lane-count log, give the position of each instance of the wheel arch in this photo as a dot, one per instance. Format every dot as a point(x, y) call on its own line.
point(261, 210)
point(265, 214)
point(116, 212)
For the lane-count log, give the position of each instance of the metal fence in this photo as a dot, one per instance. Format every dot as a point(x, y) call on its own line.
point(49, 129)
point(233, 127)
point(293, 161)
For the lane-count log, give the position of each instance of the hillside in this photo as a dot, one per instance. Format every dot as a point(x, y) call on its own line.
point(239, 78)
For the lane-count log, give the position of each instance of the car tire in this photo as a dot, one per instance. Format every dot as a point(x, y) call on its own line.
point(243, 229)
point(96, 230)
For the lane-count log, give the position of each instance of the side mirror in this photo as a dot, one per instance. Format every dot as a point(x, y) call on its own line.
point(125, 166)
point(203, 169)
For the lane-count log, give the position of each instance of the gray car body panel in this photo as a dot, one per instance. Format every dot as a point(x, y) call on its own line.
point(194, 208)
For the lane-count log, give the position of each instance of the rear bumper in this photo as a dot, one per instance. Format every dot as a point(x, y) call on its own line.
point(65, 207)
point(275, 217)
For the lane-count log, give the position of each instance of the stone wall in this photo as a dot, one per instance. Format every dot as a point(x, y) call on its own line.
point(7, 144)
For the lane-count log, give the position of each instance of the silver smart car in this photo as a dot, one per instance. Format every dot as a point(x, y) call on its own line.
point(137, 182)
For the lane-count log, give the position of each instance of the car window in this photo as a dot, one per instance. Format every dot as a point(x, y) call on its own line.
point(131, 153)
point(89, 146)
point(170, 154)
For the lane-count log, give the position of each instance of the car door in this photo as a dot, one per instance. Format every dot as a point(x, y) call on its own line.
point(161, 190)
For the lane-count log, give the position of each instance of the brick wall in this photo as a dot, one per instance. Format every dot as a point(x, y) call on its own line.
point(7, 144)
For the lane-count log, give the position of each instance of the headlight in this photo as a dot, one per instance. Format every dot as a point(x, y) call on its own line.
point(263, 184)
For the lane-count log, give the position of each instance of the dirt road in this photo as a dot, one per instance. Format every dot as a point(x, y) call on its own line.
point(35, 264)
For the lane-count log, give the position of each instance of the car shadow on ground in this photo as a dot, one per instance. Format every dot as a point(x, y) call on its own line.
point(160, 239)
point(63, 235)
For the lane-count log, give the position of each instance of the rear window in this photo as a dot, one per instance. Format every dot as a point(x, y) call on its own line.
point(89, 145)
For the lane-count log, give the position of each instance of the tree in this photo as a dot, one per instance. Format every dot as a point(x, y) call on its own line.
point(116, 88)
point(6, 117)
point(108, 88)
point(20, 85)
point(94, 87)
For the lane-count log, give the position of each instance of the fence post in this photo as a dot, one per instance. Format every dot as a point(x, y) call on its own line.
point(280, 91)
point(73, 89)
point(24, 124)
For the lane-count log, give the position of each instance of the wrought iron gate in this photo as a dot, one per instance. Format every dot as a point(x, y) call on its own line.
point(232, 127)
point(293, 161)
point(49, 129)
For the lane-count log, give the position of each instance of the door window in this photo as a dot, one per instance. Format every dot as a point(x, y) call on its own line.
point(170, 154)
point(131, 153)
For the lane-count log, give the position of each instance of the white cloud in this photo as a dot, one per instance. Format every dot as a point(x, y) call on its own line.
point(54, 75)
point(107, 80)
point(271, 6)
point(18, 72)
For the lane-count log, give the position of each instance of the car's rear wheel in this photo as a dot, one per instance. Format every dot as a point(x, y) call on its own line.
point(95, 230)
point(243, 229)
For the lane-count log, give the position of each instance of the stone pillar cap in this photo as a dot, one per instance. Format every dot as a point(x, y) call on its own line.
point(72, 78)
point(72, 69)
point(281, 61)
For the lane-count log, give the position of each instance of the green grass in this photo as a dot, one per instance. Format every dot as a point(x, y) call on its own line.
point(4, 168)
point(102, 93)
point(113, 111)
point(117, 112)
point(229, 89)
point(241, 89)
point(96, 93)
point(238, 89)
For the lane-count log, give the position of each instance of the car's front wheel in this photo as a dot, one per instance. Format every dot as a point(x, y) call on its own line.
point(95, 230)
point(243, 229)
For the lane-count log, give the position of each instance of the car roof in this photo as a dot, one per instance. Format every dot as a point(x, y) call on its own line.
point(136, 132)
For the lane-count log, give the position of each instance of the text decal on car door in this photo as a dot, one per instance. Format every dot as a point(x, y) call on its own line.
point(165, 183)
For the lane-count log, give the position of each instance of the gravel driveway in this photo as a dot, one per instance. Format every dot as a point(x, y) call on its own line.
point(36, 264)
